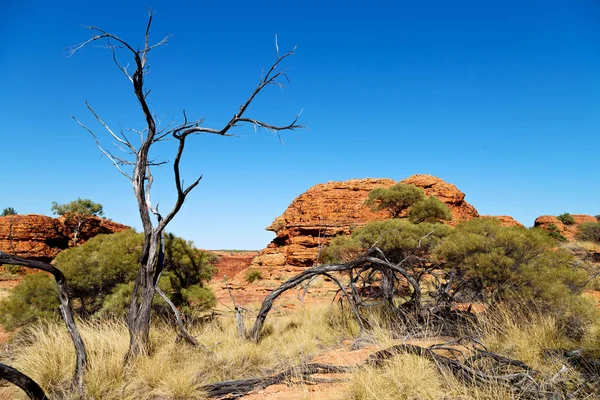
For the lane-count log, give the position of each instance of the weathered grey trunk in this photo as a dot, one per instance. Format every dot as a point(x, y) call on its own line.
point(143, 294)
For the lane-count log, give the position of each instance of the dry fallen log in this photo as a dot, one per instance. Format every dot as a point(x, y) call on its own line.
point(241, 387)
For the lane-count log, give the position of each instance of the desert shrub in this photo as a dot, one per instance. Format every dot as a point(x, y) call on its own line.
point(566, 218)
point(8, 211)
point(95, 268)
point(397, 238)
point(554, 233)
point(36, 297)
point(187, 267)
point(429, 210)
point(253, 275)
point(589, 231)
point(101, 272)
point(395, 199)
point(508, 263)
point(597, 217)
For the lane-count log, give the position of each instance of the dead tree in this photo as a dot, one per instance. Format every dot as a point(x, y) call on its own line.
point(136, 165)
point(372, 261)
point(65, 309)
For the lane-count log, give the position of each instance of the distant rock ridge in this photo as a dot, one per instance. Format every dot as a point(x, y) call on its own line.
point(568, 231)
point(39, 237)
point(328, 209)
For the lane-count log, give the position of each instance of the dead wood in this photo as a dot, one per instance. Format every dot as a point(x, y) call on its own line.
point(135, 163)
point(17, 378)
point(240, 387)
point(372, 259)
point(65, 309)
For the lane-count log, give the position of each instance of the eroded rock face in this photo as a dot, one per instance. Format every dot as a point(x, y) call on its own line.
point(329, 209)
point(505, 220)
point(39, 237)
point(568, 231)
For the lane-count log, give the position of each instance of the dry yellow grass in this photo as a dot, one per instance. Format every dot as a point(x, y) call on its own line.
point(177, 370)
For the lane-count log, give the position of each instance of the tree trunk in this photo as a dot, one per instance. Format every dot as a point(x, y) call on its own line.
point(142, 298)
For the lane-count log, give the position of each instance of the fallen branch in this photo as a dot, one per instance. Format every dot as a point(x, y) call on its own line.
point(65, 309)
point(17, 378)
point(241, 387)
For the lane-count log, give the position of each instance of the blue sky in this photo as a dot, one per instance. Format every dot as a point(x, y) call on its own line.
point(500, 98)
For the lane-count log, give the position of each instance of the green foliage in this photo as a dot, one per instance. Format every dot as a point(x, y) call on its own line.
point(511, 263)
point(82, 207)
point(566, 218)
point(395, 199)
point(8, 211)
point(253, 275)
point(76, 213)
point(589, 231)
point(36, 297)
point(101, 272)
point(597, 217)
point(96, 267)
point(397, 238)
point(186, 265)
point(554, 233)
point(429, 210)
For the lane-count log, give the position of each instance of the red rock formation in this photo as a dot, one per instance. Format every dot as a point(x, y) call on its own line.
point(568, 231)
point(505, 220)
point(39, 237)
point(329, 209)
point(232, 262)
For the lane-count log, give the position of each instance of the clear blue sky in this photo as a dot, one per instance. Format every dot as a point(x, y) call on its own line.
point(500, 98)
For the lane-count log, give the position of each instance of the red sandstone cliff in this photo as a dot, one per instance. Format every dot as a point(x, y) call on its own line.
point(328, 209)
point(39, 237)
point(567, 231)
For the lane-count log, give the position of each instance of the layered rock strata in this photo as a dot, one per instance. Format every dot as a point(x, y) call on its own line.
point(333, 208)
point(39, 237)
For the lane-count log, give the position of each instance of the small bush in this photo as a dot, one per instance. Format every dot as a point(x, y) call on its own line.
point(589, 232)
point(566, 218)
point(430, 210)
point(34, 298)
point(8, 211)
point(253, 275)
point(554, 233)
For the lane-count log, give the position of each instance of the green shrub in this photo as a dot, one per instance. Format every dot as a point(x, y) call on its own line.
point(554, 233)
point(566, 218)
point(588, 231)
point(395, 199)
point(429, 210)
point(397, 238)
point(512, 263)
point(100, 274)
point(253, 275)
point(36, 297)
point(8, 211)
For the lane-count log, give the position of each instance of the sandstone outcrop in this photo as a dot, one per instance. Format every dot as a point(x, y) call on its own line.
point(230, 263)
point(329, 209)
point(39, 237)
point(505, 220)
point(568, 231)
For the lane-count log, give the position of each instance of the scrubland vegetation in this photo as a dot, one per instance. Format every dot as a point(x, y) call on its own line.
point(476, 311)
